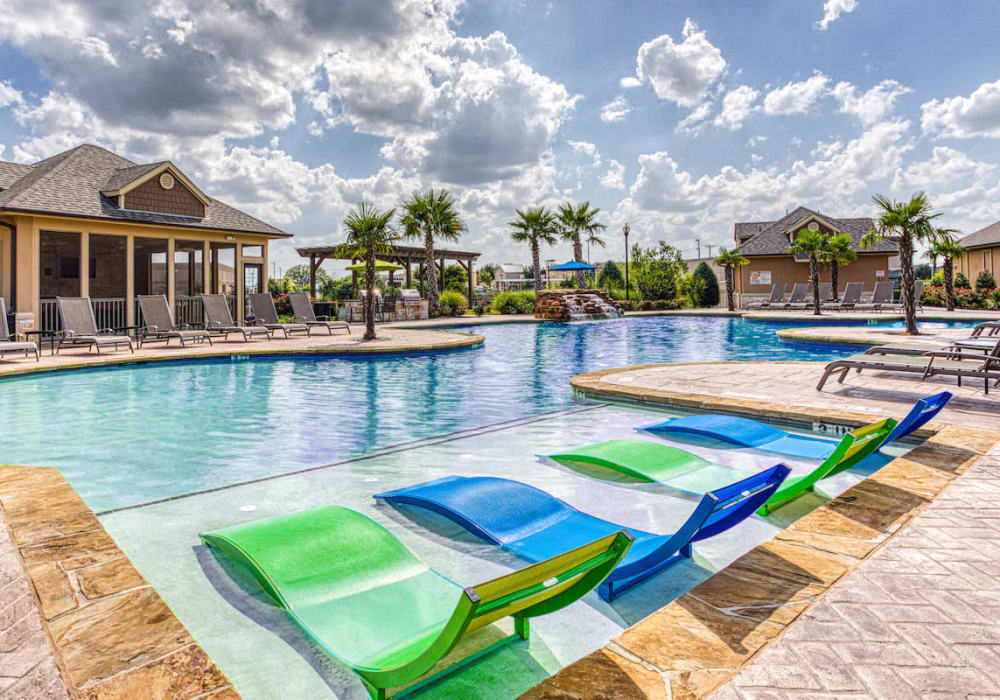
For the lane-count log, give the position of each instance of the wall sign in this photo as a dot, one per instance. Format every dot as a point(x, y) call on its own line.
point(760, 277)
point(879, 274)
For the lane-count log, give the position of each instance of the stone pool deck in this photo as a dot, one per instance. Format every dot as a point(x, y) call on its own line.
point(389, 341)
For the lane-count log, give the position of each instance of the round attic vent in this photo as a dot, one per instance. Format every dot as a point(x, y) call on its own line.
point(167, 181)
point(813, 226)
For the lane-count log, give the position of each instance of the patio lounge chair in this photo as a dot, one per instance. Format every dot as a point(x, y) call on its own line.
point(744, 432)
point(972, 344)
point(850, 298)
point(158, 323)
point(825, 295)
point(7, 345)
point(303, 310)
point(79, 327)
point(369, 603)
point(776, 298)
point(986, 328)
point(265, 314)
point(676, 468)
point(881, 298)
point(946, 363)
point(535, 525)
point(798, 297)
point(219, 320)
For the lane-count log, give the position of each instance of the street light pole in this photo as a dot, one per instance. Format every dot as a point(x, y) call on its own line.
point(625, 231)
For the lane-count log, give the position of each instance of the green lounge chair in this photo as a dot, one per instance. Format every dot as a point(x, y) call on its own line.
point(365, 600)
point(677, 468)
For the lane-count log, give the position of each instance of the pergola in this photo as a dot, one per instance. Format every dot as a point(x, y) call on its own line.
point(404, 255)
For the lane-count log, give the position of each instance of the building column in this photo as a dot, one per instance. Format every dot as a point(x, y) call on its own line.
point(471, 271)
point(265, 273)
point(206, 254)
point(240, 291)
point(85, 264)
point(170, 273)
point(28, 267)
point(130, 280)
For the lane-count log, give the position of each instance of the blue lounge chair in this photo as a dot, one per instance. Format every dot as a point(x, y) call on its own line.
point(535, 525)
point(750, 433)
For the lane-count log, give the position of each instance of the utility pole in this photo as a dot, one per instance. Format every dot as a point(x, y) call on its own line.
point(697, 242)
point(710, 246)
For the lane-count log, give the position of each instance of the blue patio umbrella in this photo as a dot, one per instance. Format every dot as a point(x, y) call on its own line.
point(573, 266)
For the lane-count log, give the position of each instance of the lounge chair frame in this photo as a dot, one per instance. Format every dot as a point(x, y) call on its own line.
point(9, 346)
point(776, 298)
point(79, 327)
point(158, 323)
point(266, 314)
point(881, 298)
point(304, 313)
point(797, 297)
point(219, 320)
point(849, 299)
point(946, 363)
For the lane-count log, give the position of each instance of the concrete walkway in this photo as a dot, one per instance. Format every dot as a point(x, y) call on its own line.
point(916, 620)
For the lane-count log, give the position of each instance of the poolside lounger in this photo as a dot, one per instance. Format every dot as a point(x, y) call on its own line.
point(825, 295)
point(265, 314)
point(674, 467)
point(158, 323)
point(850, 298)
point(303, 310)
point(946, 363)
point(986, 328)
point(776, 298)
point(984, 345)
point(7, 345)
point(798, 296)
point(368, 602)
point(219, 320)
point(881, 298)
point(750, 433)
point(535, 525)
point(79, 326)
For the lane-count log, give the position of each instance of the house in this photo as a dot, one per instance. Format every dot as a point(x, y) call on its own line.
point(765, 244)
point(982, 253)
point(88, 222)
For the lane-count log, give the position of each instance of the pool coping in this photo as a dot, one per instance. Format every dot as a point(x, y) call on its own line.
point(695, 644)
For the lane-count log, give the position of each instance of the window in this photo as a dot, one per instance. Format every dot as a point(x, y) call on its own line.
point(253, 251)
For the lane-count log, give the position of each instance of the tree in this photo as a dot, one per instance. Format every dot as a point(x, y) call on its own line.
point(298, 275)
point(985, 281)
point(925, 271)
point(488, 274)
point(815, 244)
point(578, 225)
point(655, 271)
point(905, 224)
point(838, 252)
point(707, 293)
point(729, 260)
point(534, 227)
point(429, 217)
point(456, 279)
point(369, 233)
point(947, 248)
point(611, 276)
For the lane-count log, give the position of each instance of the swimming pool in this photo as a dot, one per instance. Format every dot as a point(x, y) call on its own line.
point(131, 435)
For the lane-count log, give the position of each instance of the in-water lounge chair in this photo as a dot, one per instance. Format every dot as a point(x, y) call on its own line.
point(265, 314)
point(677, 468)
point(798, 296)
point(956, 363)
point(79, 327)
point(304, 313)
point(368, 602)
point(881, 298)
point(850, 298)
point(158, 323)
point(6, 344)
point(745, 432)
point(776, 298)
point(218, 320)
point(536, 525)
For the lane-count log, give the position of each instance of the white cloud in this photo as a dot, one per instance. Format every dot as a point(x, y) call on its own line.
point(616, 110)
point(9, 95)
point(683, 72)
point(695, 121)
point(754, 140)
point(588, 149)
point(736, 106)
point(832, 10)
point(796, 98)
point(629, 82)
point(872, 106)
point(964, 117)
point(946, 167)
point(615, 177)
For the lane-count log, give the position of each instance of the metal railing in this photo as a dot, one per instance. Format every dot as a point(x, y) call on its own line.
point(189, 311)
point(109, 313)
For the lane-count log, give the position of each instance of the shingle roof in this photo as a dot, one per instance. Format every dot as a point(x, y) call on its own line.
point(771, 238)
point(11, 173)
point(983, 237)
point(71, 182)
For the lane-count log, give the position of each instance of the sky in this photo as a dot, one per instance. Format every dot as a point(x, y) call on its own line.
point(678, 117)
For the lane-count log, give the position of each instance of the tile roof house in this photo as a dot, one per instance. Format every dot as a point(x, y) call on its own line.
point(126, 220)
point(766, 243)
point(982, 253)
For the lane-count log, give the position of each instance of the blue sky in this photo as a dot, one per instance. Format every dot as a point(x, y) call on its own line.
point(679, 117)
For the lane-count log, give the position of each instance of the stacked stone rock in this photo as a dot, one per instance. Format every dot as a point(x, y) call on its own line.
point(550, 305)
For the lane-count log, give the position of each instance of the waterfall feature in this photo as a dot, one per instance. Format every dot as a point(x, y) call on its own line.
point(576, 305)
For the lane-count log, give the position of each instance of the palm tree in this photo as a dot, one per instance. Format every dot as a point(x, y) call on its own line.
point(947, 248)
point(369, 234)
point(431, 216)
point(905, 224)
point(577, 225)
point(729, 260)
point(535, 226)
point(488, 274)
point(838, 252)
point(814, 244)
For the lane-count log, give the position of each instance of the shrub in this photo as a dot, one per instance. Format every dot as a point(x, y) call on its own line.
point(961, 281)
point(993, 299)
point(452, 303)
point(514, 303)
point(985, 281)
point(708, 292)
point(938, 279)
point(282, 305)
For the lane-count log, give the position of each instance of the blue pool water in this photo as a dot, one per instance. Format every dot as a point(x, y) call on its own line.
point(131, 435)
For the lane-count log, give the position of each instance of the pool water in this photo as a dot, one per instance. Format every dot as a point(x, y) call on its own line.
point(136, 434)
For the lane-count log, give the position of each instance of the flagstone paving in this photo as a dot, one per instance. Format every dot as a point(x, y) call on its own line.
point(917, 619)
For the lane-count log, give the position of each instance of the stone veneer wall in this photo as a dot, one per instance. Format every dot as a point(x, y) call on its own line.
point(550, 305)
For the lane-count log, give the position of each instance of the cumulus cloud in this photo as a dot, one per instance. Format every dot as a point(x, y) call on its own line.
point(945, 168)
point(737, 105)
point(680, 72)
point(796, 97)
point(9, 95)
point(629, 82)
point(588, 149)
point(615, 177)
point(616, 110)
point(695, 120)
point(832, 10)
point(872, 106)
point(964, 117)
